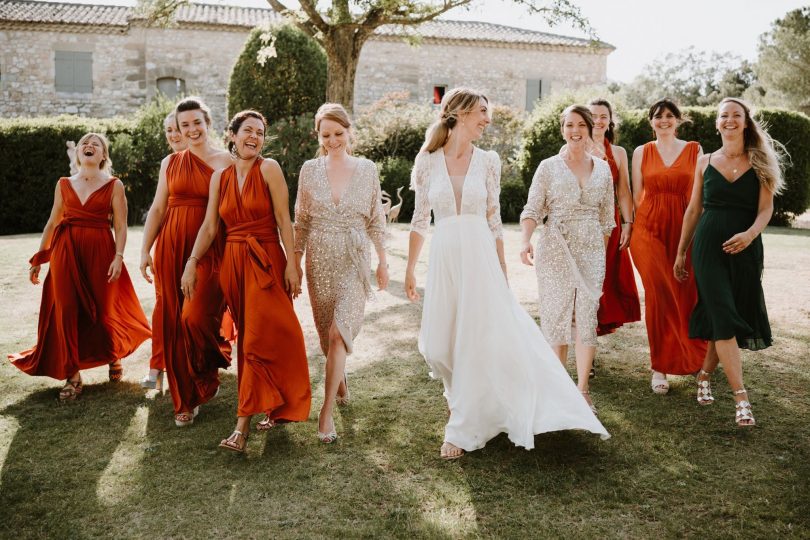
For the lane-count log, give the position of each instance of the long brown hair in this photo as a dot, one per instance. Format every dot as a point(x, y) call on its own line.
point(766, 155)
point(610, 133)
point(454, 103)
point(336, 113)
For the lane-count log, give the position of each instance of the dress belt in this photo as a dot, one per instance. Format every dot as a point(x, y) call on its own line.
point(556, 228)
point(253, 234)
point(176, 201)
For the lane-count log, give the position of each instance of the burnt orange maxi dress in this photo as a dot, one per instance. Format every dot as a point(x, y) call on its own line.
point(654, 244)
point(271, 356)
point(619, 303)
point(189, 331)
point(84, 321)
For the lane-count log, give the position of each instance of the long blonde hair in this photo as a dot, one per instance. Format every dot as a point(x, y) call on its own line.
point(454, 103)
point(336, 113)
point(767, 156)
point(106, 163)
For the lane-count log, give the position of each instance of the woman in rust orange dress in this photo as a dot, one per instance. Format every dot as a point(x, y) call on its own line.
point(663, 172)
point(193, 349)
point(250, 198)
point(89, 315)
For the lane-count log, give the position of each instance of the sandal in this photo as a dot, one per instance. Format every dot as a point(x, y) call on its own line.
point(232, 442)
point(116, 372)
point(153, 380)
point(71, 390)
point(704, 389)
point(659, 383)
point(266, 424)
point(326, 438)
point(184, 419)
point(450, 451)
point(344, 399)
point(742, 414)
point(587, 395)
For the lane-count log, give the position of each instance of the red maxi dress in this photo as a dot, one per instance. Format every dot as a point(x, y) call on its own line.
point(654, 245)
point(271, 356)
point(189, 331)
point(84, 321)
point(619, 303)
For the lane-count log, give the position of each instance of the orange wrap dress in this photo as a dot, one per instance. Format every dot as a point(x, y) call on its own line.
point(654, 245)
point(271, 356)
point(84, 321)
point(189, 331)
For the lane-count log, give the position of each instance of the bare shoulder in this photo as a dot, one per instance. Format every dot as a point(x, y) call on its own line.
point(220, 159)
point(619, 151)
point(118, 185)
point(270, 165)
point(703, 161)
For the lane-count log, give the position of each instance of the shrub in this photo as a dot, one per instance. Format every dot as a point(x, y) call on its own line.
point(395, 173)
point(33, 154)
point(291, 142)
point(281, 72)
point(392, 127)
point(513, 198)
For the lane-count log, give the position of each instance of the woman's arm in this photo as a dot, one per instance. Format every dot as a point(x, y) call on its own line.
point(119, 211)
point(57, 210)
point(302, 217)
point(533, 212)
point(624, 197)
point(376, 230)
point(742, 240)
point(154, 221)
point(637, 178)
point(274, 178)
point(690, 219)
point(420, 178)
point(205, 236)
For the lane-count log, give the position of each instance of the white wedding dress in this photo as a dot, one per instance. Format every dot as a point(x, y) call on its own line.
point(499, 373)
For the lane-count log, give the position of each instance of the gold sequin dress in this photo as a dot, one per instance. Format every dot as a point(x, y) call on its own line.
point(570, 253)
point(499, 373)
point(335, 238)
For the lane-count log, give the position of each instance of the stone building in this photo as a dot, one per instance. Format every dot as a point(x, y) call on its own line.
point(104, 60)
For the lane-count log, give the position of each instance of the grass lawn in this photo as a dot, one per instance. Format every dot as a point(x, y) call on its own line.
point(113, 463)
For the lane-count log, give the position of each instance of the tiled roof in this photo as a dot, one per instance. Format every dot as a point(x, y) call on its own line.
point(29, 11)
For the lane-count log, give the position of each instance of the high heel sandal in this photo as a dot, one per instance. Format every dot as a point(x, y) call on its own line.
point(659, 385)
point(184, 419)
point(70, 391)
point(116, 371)
point(743, 414)
point(588, 400)
point(344, 399)
point(704, 389)
point(153, 380)
point(326, 438)
point(266, 424)
point(232, 442)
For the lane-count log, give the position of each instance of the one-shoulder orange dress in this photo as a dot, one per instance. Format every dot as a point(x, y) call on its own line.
point(271, 356)
point(189, 331)
point(654, 245)
point(84, 321)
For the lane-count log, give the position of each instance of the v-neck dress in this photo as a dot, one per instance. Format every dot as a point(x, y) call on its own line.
point(498, 371)
point(731, 303)
point(570, 253)
point(84, 321)
point(335, 237)
point(668, 303)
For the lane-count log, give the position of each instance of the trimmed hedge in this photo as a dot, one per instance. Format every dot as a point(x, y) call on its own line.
point(291, 142)
point(542, 139)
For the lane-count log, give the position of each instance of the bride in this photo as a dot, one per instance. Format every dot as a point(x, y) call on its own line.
point(499, 373)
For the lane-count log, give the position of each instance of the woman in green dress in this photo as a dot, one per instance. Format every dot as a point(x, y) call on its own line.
point(732, 202)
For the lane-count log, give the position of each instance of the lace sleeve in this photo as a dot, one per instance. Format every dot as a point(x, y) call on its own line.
point(494, 195)
point(376, 223)
point(607, 204)
point(536, 204)
point(420, 180)
point(302, 207)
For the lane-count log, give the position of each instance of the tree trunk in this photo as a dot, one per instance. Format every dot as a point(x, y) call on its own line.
point(342, 46)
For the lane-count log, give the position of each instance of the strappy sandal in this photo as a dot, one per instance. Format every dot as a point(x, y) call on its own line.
point(344, 399)
point(587, 395)
point(184, 419)
point(704, 388)
point(232, 442)
point(326, 438)
point(266, 424)
point(71, 390)
point(659, 385)
point(743, 414)
point(116, 372)
point(448, 451)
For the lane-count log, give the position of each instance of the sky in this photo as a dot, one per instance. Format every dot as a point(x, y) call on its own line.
point(643, 31)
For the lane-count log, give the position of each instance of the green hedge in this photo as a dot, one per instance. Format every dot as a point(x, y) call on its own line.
point(542, 139)
point(291, 142)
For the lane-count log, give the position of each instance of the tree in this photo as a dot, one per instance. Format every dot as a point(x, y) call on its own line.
point(783, 66)
point(346, 25)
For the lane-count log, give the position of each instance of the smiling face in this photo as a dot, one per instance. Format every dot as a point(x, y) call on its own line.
point(575, 131)
point(333, 136)
point(173, 136)
point(249, 138)
point(601, 119)
point(731, 120)
point(474, 122)
point(91, 152)
point(193, 127)
point(664, 122)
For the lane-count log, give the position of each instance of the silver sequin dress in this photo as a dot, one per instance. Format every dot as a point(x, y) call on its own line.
point(570, 253)
point(499, 373)
point(335, 238)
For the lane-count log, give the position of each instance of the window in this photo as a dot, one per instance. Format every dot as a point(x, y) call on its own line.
point(171, 87)
point(438, 93)
point(73, 71)
point(534, 91)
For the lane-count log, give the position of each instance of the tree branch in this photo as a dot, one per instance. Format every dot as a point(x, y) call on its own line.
point(308, 26)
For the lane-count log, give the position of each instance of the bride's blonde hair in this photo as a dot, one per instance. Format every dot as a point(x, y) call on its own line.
point(455, 102)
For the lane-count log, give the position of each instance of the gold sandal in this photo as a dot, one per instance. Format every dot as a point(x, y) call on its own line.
point(232, 442)
point(447, 448)
point(70, 391)
point(266, 424)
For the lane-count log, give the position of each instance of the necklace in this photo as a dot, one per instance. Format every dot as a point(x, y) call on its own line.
point(733, 157)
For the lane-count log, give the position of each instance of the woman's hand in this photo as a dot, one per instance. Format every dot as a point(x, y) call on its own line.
point(189, 280)
point(292, 280)
point(527, 254)
point(679, 268)
point(114, 271)
point(410, 287)
point(624, 239)
point(146, 262)
point(33, 274)
point(737, 243)
point(382, 276)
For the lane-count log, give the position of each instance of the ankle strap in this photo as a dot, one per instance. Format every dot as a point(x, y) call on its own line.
point(584, 391)
point(704, 372)
point(740, 391)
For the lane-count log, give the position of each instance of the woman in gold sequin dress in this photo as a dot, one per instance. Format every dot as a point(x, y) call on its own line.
point(499, 374)
point(575, 193)
point(337, 210)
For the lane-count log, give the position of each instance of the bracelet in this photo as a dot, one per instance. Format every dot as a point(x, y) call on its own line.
point(627, 222)
point(192, 257)
point(119, 254)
